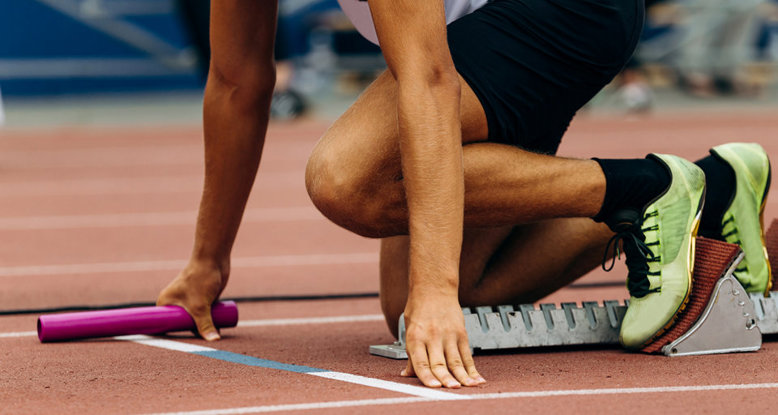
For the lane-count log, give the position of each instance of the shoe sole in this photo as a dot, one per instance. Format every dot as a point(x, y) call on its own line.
point(685, 302)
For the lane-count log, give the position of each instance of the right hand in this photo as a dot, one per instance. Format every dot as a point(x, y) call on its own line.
point(436, 340)
point(195, 289)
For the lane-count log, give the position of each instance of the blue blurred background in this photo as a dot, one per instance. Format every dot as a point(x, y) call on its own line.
point(67, 48)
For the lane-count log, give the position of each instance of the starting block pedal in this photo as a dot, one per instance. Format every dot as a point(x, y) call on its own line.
point(767, 306)
point(720, 317)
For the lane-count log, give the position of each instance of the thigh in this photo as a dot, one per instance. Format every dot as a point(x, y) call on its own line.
point(365, 138)
point(504, 265)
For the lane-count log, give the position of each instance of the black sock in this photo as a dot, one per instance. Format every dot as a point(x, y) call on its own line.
point(720, 190)
point(630, 186)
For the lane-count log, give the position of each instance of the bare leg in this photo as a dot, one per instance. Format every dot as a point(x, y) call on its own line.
point(354, 177)
point(506, 265)
point(354, 174)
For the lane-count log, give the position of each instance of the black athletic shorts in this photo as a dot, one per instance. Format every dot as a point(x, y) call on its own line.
point(534, 63)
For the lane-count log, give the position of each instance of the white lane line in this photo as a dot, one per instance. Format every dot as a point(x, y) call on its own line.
point(133, 185)
point(172, 155)
point(169, 265)
point(300, 406)
point(484, 396)
point(246, 360)
point(166, 344)
point(420, 391)
point(18, 334)
point(625, 391)
point(311, 320)
point(301, 213)
point(104, 186)
point(261, 323)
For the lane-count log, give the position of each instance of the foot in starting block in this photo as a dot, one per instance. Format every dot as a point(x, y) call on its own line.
point(720, 317)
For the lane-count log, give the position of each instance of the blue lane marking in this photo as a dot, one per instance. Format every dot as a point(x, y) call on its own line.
point(255, 361)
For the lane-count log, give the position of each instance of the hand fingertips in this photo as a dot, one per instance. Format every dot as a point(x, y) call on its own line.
point(211, 336)
point(452, 384)
point(468, 381)
point(477, 377)
point(433, 383)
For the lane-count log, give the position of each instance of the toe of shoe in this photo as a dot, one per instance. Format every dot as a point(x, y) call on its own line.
point(647, 317)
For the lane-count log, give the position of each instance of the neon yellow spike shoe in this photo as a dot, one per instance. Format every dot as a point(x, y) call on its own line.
point(659, 244)
point(743, 221)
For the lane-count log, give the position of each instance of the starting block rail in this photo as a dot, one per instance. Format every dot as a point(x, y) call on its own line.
point(732, 321)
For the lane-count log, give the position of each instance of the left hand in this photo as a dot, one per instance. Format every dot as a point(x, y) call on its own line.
point(437, 344)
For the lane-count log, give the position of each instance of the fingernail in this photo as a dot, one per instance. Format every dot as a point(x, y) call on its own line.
point(453, 384)
point(480, 379)
point(435, 383)
point(403, 373)
point(212, 336)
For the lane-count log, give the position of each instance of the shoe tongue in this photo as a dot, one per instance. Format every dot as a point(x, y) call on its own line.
point(624, 220)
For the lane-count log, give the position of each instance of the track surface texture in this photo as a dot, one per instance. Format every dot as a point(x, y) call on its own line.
point(103, 215)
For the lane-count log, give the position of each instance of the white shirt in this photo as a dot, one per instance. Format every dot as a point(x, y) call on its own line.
point(359, 14)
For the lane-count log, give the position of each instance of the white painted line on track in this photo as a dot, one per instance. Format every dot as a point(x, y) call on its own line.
point(252, 361)
point(133, 185)
point(18, 334)
point(103, 186)
point(477, 396)
point(300, 406)
point(170, 265)
point(261, 323)
point(420, 391)
point(311, 320)
point(112, 157)
point(625, 391)
point(166, 344)
point(301, 213)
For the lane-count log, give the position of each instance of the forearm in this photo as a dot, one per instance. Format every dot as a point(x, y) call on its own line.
point(235, 121)
point(413, 40)
point(431, 151)
point(235, 116)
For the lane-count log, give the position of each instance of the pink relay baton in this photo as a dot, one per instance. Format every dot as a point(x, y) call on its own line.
point(124, 321)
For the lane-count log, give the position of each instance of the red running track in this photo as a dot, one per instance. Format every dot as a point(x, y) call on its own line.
point(105, 215)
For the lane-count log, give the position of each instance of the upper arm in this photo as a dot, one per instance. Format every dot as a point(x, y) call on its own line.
point(242, 39)
point(412, 34)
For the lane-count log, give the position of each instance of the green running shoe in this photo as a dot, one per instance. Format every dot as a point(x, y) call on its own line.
point(659, 245)
point(743, 221)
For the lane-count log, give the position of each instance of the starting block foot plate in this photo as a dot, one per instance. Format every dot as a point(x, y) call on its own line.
point(727, 325)
point(395, 350)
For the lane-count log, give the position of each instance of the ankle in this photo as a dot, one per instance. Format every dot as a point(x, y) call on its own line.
point(718, 196)
point(631, 185)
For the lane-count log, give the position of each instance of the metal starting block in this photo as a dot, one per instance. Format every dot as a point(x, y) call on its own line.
point(731, 322)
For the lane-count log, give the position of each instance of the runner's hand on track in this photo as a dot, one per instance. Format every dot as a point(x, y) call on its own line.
point(195, 289)
point(437, 344)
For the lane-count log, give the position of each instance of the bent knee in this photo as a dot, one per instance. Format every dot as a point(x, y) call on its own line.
point(344, 194)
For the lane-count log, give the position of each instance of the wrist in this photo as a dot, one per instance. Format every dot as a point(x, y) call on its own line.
point(213, 263)
point(442, 287)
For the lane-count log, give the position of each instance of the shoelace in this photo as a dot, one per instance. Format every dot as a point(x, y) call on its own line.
point(638, 254)
point(736, 240)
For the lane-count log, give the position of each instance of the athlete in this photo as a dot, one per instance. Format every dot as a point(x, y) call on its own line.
point(449, 156)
